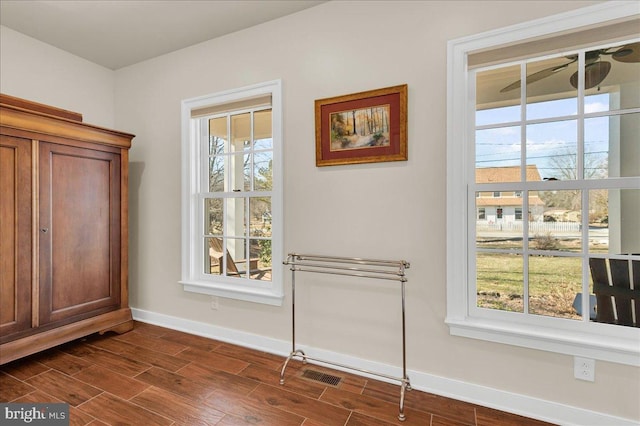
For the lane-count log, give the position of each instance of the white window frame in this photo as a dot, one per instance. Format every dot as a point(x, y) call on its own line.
point(193, 279)
point(598, 341)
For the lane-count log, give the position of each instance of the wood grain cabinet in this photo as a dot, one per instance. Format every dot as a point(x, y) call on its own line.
point(63, 228)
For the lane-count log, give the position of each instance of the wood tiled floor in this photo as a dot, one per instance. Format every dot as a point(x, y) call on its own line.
point(157, 376)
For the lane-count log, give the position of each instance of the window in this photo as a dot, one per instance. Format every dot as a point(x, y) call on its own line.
point(482, 213)
point(564, 143)
point(232, 194)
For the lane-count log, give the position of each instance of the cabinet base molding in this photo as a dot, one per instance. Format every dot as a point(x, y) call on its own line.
point(119, 321)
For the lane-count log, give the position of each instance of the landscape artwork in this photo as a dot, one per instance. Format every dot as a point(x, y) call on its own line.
point(360, 128)
point(363, 127)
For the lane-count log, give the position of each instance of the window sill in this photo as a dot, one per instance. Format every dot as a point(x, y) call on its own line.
point(618, 349)
point(257, 295)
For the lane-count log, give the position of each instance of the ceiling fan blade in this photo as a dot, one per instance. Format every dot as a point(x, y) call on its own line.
point(593, 74)
point(536, 76)
point(628, 53)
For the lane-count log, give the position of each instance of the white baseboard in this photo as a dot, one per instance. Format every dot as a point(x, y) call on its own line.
point(523, 405)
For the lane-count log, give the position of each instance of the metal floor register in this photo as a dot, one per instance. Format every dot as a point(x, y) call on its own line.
point(393, 270)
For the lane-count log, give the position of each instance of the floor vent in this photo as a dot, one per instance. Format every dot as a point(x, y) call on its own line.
point(318, 376)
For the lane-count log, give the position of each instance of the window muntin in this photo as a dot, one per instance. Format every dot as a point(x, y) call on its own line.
point(580, 149)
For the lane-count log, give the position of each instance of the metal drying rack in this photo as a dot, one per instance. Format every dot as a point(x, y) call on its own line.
point(356, 267)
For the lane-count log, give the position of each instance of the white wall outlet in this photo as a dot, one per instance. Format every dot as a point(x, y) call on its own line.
point(214, 303)
point(584, 369)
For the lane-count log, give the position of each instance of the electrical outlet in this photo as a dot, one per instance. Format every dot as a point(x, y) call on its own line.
point(584, 369)
point(214, 303)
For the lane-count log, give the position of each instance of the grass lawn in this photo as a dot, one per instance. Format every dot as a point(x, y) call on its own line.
point(553, 283)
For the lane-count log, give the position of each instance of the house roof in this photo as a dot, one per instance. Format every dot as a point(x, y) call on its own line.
point(506, 174)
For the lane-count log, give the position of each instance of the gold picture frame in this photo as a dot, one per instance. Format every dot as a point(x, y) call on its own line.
point(364, 127)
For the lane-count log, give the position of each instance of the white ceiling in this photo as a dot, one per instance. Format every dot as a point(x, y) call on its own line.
point(117, 33)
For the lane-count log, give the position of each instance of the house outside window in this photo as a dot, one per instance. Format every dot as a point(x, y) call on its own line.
point(565, 126)
point(232, 193)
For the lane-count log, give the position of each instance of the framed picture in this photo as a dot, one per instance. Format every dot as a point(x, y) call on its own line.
point(365, 127)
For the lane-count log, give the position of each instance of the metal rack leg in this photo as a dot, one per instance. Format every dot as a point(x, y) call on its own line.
point(291, 355)
point(405, 386)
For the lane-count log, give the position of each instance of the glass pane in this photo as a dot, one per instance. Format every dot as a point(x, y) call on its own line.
point(614, 221)
point(218, 136)
point(260, 214)
point(624, 76)
point(240, 132)
point(235, 223)
point(552, 151)
point(262, 134)
point(596, 147)
point(596, 102)
point(499, 220)
point(235, 172)
point(213, 256)
point(260, 260)
point(552, 78)
point(213, 216)
point(559, 227)
point(236, 258)
point(499, 281)
point(612, 146)
point(216, 173)
point(246, 172)
point(553, 285)
point(614, 70)
point(598, 221)
point(614, 307)
point(263, 171)
point(498, 155)
point(497, 97)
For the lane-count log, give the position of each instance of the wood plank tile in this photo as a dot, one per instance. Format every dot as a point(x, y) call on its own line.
point(114, 410)
point(174, 383)
point(64, 387)
point(251, 356)
point(358, 419)
point(489, 417)
point(157, 359)
point(444, 421)
point(153, 343)
point(292, 383)
point(216, 379)
point(76, 417)
point(63, 362)
point(460, 411)
point(122, 365)
point(181, 410)
point(191, 340)
point(150, 329)
point(251, 411)
point(108, 343)
point(23, 369)
point(373, 407)
point(108, 380)
point(12, 388)
point(213, 360)
point(300, 405)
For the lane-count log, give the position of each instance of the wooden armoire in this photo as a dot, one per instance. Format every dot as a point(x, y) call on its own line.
point(63, 228)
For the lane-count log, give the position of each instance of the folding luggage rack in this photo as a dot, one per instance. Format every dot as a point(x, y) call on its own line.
point(356, 267)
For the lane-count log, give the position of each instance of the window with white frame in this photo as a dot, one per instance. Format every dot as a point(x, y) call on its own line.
point(561, 131)
point(232, 194)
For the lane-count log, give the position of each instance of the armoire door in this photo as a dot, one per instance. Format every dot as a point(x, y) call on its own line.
point(79, 232)
point(16, 235)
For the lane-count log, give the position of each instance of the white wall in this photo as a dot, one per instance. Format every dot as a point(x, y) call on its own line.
point(37, 71)
point(384, 210)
